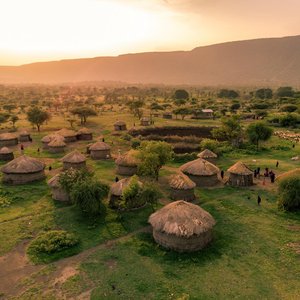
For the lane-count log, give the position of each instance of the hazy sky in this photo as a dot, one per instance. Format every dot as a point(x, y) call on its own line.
point(35, 30)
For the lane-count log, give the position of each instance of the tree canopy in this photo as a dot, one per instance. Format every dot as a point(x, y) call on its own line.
point(37, 116)
point(257, 132)
point(83, 112)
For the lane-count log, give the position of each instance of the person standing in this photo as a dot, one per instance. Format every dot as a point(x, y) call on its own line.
point(277, 164)
point(222, 174)
point(258, 200)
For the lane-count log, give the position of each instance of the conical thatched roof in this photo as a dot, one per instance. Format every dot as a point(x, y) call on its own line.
point(182, 219)
point(129, 159)
point(206, 153)
point(5, 150)
point(99, 146)
point(23, 165)
point(199, 167)
point(117, 188)
point(57, 142)
point(84, 130)
point(145, 119)
point(23, 133)
point(54, 181)
point(292, 173)
point(181, 182)
point(120, 123)
point(7, 136)
point(74, 157)
point(48, 138)
point(66, 132)
point(239, 168)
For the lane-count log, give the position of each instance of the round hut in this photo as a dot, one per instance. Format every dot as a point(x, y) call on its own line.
point(182, 226)
point(202, 172)
point(292, 173)
point(24, 136)
point(127, 164)
point(208, 155)
point(116, 191)
point(58, 193)
point(88, 151)
point(56, 145)
point(6, 154)
point(74, 160)
point(182, 187)
point(8, 139)
point(84, 134)
point(69, 135)
point(240, 175)
point(120, 126)
point(100, 150)
point(23, 169)
point(145, 121)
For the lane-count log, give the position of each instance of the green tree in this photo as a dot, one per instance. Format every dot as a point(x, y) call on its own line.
point(37, 117)
point(3, 117)
point(181, 95)
point(257, 132)
point(289, 108)
point(264, 94)
point(289, 193)
point(235, 106)
point(9, 107)
point(153, 155)
point(230, 130)
point(285, 91)
point(135, 108)
point(183, 111)
point(83, 112)
point(231, 94)
point(14, 119)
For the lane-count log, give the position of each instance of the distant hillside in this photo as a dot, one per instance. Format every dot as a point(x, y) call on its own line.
point(271, 61)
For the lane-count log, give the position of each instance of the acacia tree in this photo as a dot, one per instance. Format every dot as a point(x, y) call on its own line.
point(83, 112)
point(37, 117)
point(153, 155)
point(14, 119)
point(257, 132)
point(135, 108)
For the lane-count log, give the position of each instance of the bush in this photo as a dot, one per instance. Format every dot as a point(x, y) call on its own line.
point(183, 158)
point(289, 108)
point(289, 120)
point(52, 242)
point(289, 193)
point(135, 143)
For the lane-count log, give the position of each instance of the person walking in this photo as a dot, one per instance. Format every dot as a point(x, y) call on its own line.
point(258, 200)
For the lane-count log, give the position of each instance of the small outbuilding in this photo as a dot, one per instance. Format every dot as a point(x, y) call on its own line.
point(24, 136)
point(85, 134)
point(120, 126)
point(6, 154)
point(182, 187)
point(56, 145)
point(23, 169)
point(240, 175)
point(202, 172)
point(208, 155)
point(182, 226)
point(69, 135)
point(8, 139)
point(100, 150)
point(74, 160)
point(145, 121)
point(127, 164)
point(58, 193)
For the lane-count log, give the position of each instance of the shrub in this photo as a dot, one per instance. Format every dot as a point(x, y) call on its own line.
point(150, 194)
point(183, 158)
point(52, 242)
point(289, 120)
point(131, 194)
point(135, 143)
point(289, 193)
point(289, 108)
point(210, 144)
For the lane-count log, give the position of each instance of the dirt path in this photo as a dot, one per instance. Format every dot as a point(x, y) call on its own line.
point(15, 268)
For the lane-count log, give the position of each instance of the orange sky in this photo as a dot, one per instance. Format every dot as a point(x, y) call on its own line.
point(39, 30)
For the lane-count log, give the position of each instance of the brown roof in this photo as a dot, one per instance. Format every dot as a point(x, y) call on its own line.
point(48, 138)
point(84, 130)
point(7, 136)
point(182, 219)
point(117, 188)
point(181, 182)
point(54, 181)
point(129, 159)
point(66, 132)
point(291, 173)
point(239, 168)
point(207, 154)
point(5, 150)
point(74, 157)
point(199, 167)
point(23, 165)
point(24, 133)
point(120, 123)
point(99, 146)
point(57, 142)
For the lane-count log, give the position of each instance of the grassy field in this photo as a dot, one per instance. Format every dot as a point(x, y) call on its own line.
point(254, 255)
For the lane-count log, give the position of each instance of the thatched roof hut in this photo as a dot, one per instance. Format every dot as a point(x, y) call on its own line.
point(292, 173)
point(182, 187)
point(182, 226)
point(84, 134)
point(56, 145)
point(240, 175)
point(6, 154)
point(74, 160)
point(23, 169)
point(116, 191)
point(48, 138)
point(201, 171)
point(208, 155)
point(24, 136)
point(8, 139)
point(58, 193)
point(100, 150)
point(127, 164)
point(69, 135)
point(145, 121)
point(120, 126)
